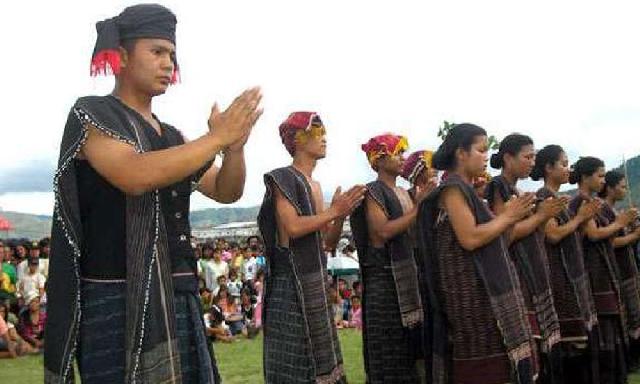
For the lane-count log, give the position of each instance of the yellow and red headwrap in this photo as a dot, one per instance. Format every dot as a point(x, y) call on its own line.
point(296, 122)
point(387, 144)
point(416, 163)
point(480, 181)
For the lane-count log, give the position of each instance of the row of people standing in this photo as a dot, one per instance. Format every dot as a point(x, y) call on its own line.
point(468, 281)
point(514, 287)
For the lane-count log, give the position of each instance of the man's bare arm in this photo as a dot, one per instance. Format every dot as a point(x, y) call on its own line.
point(297, 226)
point(333, 233)
point(383, 228)
point(225, 184)
point(136, 173)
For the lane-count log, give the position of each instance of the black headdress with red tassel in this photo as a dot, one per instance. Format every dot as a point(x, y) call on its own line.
point(151, 21)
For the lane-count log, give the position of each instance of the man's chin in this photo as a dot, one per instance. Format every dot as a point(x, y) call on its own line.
point(159, 91)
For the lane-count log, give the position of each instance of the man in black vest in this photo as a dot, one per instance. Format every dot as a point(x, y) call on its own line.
point(122, 283)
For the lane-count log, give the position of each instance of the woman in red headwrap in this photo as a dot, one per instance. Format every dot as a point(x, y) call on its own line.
point(418, 171)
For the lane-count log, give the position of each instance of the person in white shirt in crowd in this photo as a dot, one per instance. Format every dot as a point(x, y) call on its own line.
point(22, 254)
point(32, 281)
point(234, 286)
point(250, 267)
point(217, 267)
point(44, 257)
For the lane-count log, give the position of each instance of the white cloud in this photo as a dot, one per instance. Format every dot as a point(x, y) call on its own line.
point(563, 72)
point(36, 203)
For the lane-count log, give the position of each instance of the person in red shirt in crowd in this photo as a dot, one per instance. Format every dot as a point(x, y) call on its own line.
point(32, 321)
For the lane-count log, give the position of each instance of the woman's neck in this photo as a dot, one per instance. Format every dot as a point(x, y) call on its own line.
point(463, 175)
point(584, 190)
point(551, 185)
point(510, 177)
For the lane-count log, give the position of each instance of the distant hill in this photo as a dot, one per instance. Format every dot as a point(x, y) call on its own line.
point(27, 226)
point(633, 169)
point(217, 216)
point(36, 227)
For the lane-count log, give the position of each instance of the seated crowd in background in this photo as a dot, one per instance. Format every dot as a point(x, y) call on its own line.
point(231, 278)
point(23, 278)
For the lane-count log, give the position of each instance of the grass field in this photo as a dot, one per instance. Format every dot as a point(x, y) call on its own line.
point(239, 363)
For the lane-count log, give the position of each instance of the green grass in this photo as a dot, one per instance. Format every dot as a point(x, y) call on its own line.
point(239, 362)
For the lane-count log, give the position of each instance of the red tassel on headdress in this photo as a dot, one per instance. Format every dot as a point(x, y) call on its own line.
point(175, 76)
point(106, 62)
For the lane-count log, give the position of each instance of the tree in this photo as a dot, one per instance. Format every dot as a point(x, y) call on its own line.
point(446, 126)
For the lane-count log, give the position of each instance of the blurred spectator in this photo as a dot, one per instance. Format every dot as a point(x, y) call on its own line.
point(21, 346)
point(222, 282)
point(206, 298)
point(337, 306)
point(226, 255)
point(7, 276)
point(247, 303)
point(33, 280)
point(248, 306)
point(238, 260)
point(7, 347)
point(21, 262)
point(357, 288)
point(345, 295)
point(216, 327)
point(234, 286)
point(32, 321)
point(350, 251)
point(259, 289)
point(250, 267)
point(197, 253)
point(356, 313)
point(45, 249)
point(232, 313)
point(34, 251)
point(216, 267)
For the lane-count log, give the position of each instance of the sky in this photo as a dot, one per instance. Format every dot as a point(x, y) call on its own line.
point(562, 72)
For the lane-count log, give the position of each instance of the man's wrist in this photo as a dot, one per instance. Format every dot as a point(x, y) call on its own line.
point(332, 214)
point(214, 142)
point(234, 151)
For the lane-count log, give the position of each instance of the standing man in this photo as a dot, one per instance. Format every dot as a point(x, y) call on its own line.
point(391, 301)
point(300, 339)
point(120, 237)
